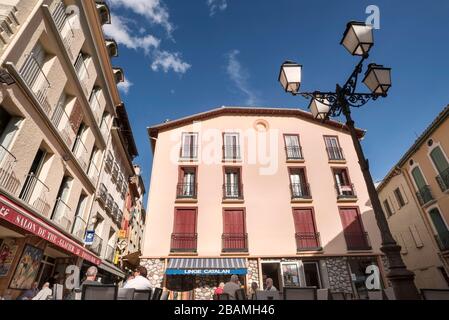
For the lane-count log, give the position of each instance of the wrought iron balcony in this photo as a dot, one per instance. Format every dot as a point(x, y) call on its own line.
point(82, 72)
point(109, 162)
point(110, 253)
point(184, 242)
point(335, 153)
point(424, 195)
point(234, 242)
point(93, 172)
point(61, 215)
point(300, 191)
point(60, 18)
point(35, 193)
point(8, 180)
point(294, 153)
point(81, 153)
point(115, 172)
point(357, 241)
point(443, 241)
point(61, 121)
point(120, 181)
point(79, 228)
point(109, 202)
point(186, 191)
point(34, 76)
point(95, 106)
point(345, 191)
point(232, 191)
point(308, 241)
point(97, 245)
point(231, 152)
point(443, 180)
point(103, 193)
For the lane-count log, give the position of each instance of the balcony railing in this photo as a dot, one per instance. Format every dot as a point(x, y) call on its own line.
point(345, 191)
point(95, 106)
point(79, 228)
point(35, 193)
point(82, 72)
point(234, 242)
point(103, 193)
point(109, 202)
point(300, 191)
point(81, 154)
point(93, 173)
point(120, 181)
point(231, 152)
point(109, 162)
point(104, 129)
point(443, 180)
point(191, 153)
point(61, 215)
point(38, 82)
point(118, 217)
point(61, 121)
point(184, 242)
point(443, 241)
point(60, 18)
point(110, 252)
point(97, 245)
point(294, 153)
point(233, 191)
point(8, 181)
point(186, 191)
point(424, 195)
point(335, 153)
point(115, 172)
point(357, 240)
point(307, 241)
point(114, 210)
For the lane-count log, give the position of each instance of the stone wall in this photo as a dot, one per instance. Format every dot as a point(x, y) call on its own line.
point(155, 269)
point(338, 273)
point(253, 273)
point(205, 287)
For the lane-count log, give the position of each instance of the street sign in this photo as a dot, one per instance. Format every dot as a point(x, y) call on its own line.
point(90, 235)
point(122, 245)
point(122, 234)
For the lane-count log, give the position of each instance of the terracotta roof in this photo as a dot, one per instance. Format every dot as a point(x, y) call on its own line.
point(246, 111)
point(418, 143)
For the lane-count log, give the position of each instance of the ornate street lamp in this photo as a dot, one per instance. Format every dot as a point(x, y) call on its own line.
point(358, 40)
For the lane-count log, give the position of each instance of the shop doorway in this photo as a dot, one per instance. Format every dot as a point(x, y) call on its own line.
point(271, 270)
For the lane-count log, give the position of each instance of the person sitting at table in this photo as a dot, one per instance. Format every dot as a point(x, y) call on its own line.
point(44, 293)
point(140, 281)
point(30, 293)
point(219, 290)
point(91, 277)
point(269, 285)
point(232, 286)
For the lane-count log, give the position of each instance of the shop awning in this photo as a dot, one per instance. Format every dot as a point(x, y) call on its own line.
point(112, 269)
point(27, 221)
point(211, 266)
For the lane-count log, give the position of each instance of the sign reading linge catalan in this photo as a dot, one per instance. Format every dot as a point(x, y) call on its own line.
point(206, 272)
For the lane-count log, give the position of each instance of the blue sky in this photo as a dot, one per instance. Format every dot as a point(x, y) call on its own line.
point(183, 57)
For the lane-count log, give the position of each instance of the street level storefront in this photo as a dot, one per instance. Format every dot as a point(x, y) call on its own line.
point(32, 250)
point(197, 278)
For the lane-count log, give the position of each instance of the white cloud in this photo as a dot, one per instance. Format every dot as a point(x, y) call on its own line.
point(154, 10)
point(217, 5)
point(125, 86)
point(240, 77)
point(169, 61)
point(120, 31)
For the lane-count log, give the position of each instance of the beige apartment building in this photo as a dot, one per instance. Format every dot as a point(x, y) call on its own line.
point(415, 196)
point(60, 118)
point(257, 192)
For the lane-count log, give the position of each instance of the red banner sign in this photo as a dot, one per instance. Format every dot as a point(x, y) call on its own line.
point(26, 221)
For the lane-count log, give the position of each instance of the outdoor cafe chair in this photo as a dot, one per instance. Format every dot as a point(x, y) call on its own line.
point(125, 294)
point(157, 293)
point(223, 296)
point(241, 295)
point(102, 292)
point(267, 295)
point(142, 295)
point(300, 293)
point(435, 294)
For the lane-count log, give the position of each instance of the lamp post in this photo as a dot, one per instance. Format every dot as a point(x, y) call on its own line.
point(358, 40)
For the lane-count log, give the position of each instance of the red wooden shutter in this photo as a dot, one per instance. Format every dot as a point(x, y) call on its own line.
point(185, 229)
point(352, 227)
point(234, 229)
point(305, 228)
point(76, 116)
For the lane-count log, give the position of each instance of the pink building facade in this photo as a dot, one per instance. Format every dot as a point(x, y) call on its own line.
point(259, 193)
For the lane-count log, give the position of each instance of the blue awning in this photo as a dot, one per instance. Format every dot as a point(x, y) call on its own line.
point(212, 266)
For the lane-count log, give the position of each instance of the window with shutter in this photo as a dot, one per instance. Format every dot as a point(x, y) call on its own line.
point(184, 236)
point(234, 231)
point(354, 233)
point(189, 148)
point(307, 237)
point(231, 146)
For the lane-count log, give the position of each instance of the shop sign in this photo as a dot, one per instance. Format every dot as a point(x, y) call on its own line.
point(27, 222)
point(122, 234)
point(90, 236)
point(206, 272)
